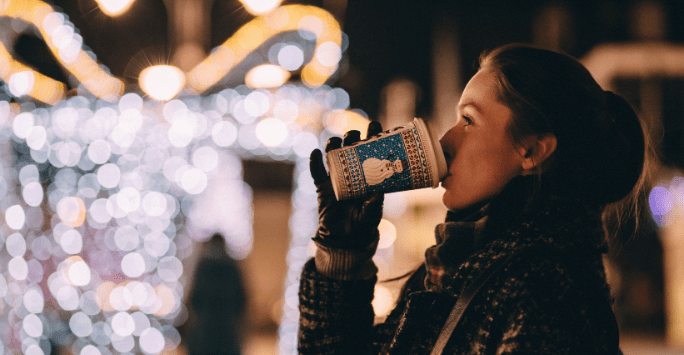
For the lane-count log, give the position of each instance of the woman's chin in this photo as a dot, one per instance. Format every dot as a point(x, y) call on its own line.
point(449, 203)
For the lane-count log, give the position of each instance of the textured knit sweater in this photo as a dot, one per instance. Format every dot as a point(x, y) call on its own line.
point(551, 298)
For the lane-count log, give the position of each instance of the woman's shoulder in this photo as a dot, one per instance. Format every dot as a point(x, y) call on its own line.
point(555, 273)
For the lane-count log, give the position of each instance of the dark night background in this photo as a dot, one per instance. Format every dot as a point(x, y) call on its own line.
point(387, 39)
point(390, 39)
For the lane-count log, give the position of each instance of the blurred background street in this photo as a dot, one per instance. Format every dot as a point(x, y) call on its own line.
point(131, 131)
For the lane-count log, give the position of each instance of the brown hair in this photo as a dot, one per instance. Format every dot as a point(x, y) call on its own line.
point(602, 151)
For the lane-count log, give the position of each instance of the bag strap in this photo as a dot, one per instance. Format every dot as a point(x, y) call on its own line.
point(463, 302)
point(467, 296)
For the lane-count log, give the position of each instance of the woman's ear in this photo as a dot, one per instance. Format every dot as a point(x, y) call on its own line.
point(536, 151)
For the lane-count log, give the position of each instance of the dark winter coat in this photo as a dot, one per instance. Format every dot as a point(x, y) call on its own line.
point(551, 298)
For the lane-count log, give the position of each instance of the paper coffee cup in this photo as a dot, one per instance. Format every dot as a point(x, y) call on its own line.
point(403, 158)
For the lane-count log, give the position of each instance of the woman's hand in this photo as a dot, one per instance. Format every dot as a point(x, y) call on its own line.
point(347, 224)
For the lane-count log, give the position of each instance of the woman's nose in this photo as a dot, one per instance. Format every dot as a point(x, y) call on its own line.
point(447, 143)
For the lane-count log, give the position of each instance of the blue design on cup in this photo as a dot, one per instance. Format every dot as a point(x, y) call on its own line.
point(404, 158)
point(386, 161)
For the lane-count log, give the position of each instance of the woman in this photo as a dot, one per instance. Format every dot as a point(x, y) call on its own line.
point(537, 153)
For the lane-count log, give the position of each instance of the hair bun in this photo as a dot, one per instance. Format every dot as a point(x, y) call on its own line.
point(623, 147)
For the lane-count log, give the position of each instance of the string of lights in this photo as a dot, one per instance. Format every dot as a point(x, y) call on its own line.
point(99, 190)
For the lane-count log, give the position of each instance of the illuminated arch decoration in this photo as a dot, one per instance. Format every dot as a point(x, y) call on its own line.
point(124, 171)
point(66, 45)
point(319, 23)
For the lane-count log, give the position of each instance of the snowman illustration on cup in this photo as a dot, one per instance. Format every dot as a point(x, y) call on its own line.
point(378, 170)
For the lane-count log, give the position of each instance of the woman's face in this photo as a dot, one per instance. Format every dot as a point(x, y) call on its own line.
point(480, 153)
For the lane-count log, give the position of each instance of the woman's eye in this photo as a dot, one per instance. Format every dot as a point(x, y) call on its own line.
point(468, 120)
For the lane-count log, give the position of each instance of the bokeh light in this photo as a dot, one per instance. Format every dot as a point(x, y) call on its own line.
point(290, 57)
point(388, 234)
point(21, 83)
point(271, 132)
point(266, 76)
point(383, 301)
point(81, 325)
point(33, 300)
point(162, 82)
point(114, 7)
point(15, 217)
point(313, 24)
point(100, 214)
point(666, 200)
point(33, 326)
point(258, 7)
point(660, 200)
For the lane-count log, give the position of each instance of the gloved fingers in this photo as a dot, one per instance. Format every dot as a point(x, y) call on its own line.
point(333, 143)
point(351, 137)
point(316, 167)
point(373, 205)
point(374, 128)
point(376, 199)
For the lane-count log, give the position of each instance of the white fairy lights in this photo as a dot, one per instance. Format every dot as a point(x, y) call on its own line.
point(123, 177)
point(99, 193)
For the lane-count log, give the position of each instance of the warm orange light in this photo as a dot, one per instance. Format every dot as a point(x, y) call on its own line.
point(312, 77)
point(162, 82)
point(267, 76)
point(26, 81)
point(308, 19)
point(103, 292)
point(65, 44)
point(260, 7)
point(340, 121)
point(114, 8)
point(71, 211)
point(167, 300)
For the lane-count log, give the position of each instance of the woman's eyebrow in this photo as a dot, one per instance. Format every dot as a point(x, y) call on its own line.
point(472, 104)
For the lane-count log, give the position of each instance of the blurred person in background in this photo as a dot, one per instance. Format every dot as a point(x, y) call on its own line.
point(217, 303)
point(539, 156)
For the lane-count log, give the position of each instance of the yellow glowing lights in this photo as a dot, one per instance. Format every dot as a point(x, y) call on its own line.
point(162, 82)
point(340, 121)
point(66, 45)
point(312, 23)
point(267, 76)
point(114, 7)
point(25, 81)
point(283, 123)
point(260, 7)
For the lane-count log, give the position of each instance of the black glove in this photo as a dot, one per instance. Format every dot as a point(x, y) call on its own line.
point(346, 224)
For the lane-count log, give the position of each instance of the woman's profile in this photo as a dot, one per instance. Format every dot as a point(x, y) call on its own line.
point(538, 155)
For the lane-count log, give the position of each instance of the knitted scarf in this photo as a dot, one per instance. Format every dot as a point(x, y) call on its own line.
point(512, 221)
